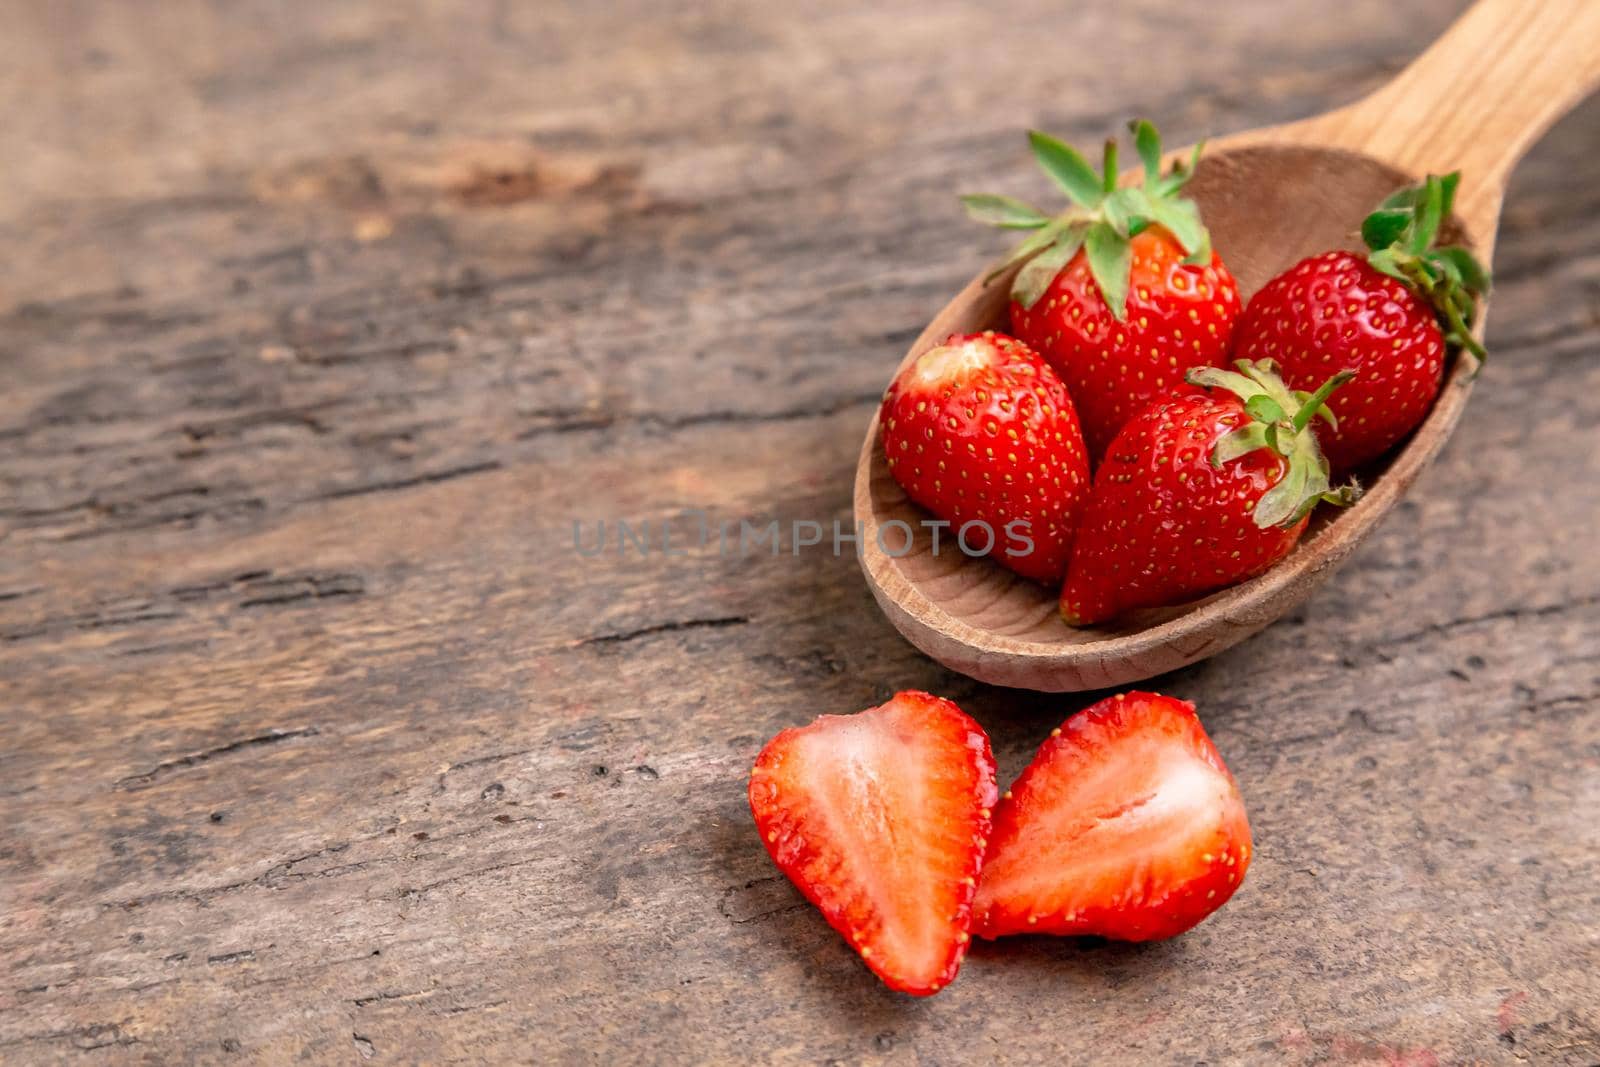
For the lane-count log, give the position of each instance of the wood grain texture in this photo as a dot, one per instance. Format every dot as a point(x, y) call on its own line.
point(318, 738)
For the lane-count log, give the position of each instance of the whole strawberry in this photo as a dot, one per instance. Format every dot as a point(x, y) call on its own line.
point(979, 430)
point(1122, 293)
point(1379, 315)
point(1199, 492)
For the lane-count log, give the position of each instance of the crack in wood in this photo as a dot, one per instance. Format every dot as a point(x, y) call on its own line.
point(294, 418)
point(375, 998)
point(496, 757)
point(733, 893)
point(1439, 629)
point(280, 871)
point(715, 623)
point(230, 507)
point(1562, 703)
point(85, 1038)
point(305, 587)
point(255, 588)
point(173, 648)
point(427, 478)
point(196, 759)
point(461, 1009)
point(578, 420)
point(131, 616)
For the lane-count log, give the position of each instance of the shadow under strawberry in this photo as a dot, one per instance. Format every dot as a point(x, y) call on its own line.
point(761, 914)
point(1099, 959)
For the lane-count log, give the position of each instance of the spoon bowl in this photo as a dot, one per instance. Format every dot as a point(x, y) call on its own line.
point(1270, 198)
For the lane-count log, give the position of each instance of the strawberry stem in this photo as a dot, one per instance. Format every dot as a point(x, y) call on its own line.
point(1102, 221)
point(1278, 420)
point(1302, 418)
point(1462, 334)
point(1400, 234)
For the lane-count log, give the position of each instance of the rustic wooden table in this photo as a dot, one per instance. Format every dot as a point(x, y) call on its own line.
point(318, 738)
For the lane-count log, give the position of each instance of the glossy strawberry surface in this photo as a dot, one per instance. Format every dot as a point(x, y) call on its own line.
point(981, 430)
point(1334, 312)
point(1163, 525)
point(1178, 316)
point(1126, 825)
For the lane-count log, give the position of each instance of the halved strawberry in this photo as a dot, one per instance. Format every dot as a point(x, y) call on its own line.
point(881, 820)
point(1126, 825)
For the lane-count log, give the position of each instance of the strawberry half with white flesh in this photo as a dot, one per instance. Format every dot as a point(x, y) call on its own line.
point(881, 819)
point(1126, 825)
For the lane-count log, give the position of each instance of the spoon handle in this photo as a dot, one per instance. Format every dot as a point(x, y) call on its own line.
point(1479, 97)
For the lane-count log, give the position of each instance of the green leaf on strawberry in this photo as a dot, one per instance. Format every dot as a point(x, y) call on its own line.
point(1006, 212)
point(1400, 236)
point(1384, 226)
point(1069, 169)
point(1279, 420)
point(1110, 261)
point(1198, 491)
point(1148, 143)
point(1036, 275)
point(1102, 220)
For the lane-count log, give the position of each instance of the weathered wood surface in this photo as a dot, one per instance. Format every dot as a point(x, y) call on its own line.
point(318, 740)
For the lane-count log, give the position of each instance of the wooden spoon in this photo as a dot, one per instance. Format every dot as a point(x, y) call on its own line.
point(1473, 102)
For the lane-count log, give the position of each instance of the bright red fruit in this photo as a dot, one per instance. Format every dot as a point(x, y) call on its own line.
point(1122, 293)
point(1126, 825)
point(1377, 314)
point(1179, 316)
point(1197, 493)
point(881, 819)
point(980, 430)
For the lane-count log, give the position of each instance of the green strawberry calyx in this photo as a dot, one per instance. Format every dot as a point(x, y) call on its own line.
point(1280, 419)
point(1400, 236)
point(1103, 218)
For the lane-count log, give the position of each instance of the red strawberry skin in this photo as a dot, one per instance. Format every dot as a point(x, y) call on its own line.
point(1163, 526)
point(1126, 825)
point(1334, 312)
point(980, 429)
point(881, 819)
point(1179, 316)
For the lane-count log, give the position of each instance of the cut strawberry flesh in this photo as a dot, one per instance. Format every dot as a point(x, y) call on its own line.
point(953, 362)
point(881, 819)
point(1126, 825)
